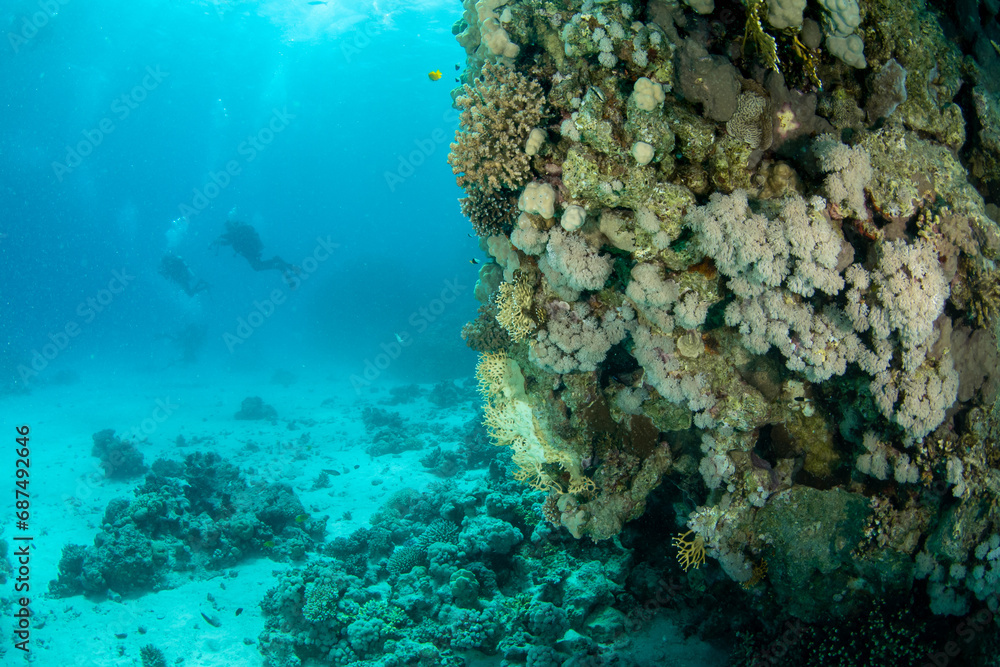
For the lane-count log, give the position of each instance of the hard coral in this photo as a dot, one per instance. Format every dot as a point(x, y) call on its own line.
point(490, 213)
point(484, 334)
point(498, 113)
point(751, 123)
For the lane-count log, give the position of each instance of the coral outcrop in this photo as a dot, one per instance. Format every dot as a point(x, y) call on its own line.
point(759, 273)
point(188, 518)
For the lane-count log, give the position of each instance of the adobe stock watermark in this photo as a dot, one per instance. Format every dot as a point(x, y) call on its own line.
point(247, 150)
point(87, 311)
point(420, 320)
point(970, 627)
point(360, 39)
point(264, 309)
point(424, 147)
point(163, 409)
point(224, 7)
point(667, 592)
point(31, 25)
point(121, 108)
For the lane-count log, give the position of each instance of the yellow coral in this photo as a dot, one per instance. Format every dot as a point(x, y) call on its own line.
point(690, 553)
point(514, 300)
point(755, 32)
point(786, 121)
point(509, 419)
point(490, 372)
point(810, 60)
point(582, 485)
point(510, 422)
point(759, 572)
point(536, 478)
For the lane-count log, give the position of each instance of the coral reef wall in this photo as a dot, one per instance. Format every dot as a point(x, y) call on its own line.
point(748, 250)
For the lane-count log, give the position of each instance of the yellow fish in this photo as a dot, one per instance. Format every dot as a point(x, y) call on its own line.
point(435, 75)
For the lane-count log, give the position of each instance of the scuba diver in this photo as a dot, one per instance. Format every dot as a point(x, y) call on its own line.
point(174, 269)
point(246, 242)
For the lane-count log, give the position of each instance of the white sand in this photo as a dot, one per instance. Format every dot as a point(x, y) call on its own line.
point(69, 495)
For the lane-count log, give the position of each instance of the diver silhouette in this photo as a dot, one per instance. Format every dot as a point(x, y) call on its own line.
point(245, 241)
point(174, 269)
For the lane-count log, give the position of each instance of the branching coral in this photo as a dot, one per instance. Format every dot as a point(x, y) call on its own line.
point(690, 552)
point(572, 265)
point(577, 338)
point(799, 247)
point(498, 113)
point(850, 171)
point(904, 293)
point(490, 214)
point(754, 32)
point(484, 334)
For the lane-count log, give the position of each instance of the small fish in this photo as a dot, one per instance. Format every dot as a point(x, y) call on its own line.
point(435, 75)
point(269, 544)
point(471, 236)
point(302, 518)
point(211, 619)
point(330, 471)
point(457, 67)
point(473, 261)
point(239, 611)
point(399, 339)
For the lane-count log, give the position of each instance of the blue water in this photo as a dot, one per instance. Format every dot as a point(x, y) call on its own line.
point(301, 475)
point(123, 117)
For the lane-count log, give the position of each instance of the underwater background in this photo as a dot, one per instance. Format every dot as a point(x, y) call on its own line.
point(224, 72)
point(544, 332)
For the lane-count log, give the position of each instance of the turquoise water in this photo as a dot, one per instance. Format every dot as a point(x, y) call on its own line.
point(126, 118)
point(708, 375)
